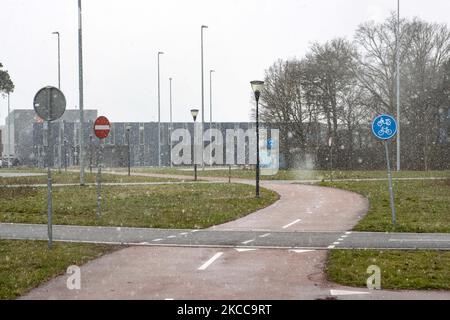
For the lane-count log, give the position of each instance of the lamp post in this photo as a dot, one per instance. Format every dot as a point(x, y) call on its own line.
point(59, 59)
point(59, 87)
point(397, 58)
point(9, 132)
point(203, 93)
point(129, 153)
point(194, 113)
point(159, 114)
point(171, 123)
point(80, 88)
point(210, 110)
point(257, 87)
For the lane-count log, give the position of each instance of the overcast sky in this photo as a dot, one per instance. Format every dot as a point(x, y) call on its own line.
point(122, 38)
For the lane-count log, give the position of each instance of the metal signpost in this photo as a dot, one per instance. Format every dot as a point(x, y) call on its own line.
point(49, 104)
point(101, 130)
point(330, 145)
point(384, 127)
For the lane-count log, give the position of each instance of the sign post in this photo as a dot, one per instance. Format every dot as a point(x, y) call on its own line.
point(101, 129)
point(384, 127)
point(330, 145)
point(49, 103)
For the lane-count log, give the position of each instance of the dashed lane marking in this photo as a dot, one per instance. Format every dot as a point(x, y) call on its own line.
point(264, 235)
point(210, 261)
point(292, 223)
point(346, 292)
point(248, 241)
point(244, 249)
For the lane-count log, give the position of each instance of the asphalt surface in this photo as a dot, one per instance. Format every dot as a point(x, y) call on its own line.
point(269, 254)
point(233, 239)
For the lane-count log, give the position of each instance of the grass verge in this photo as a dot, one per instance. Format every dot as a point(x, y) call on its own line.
point(161, 206)
point(422, 206)
point(399, 269)
point(26, 264)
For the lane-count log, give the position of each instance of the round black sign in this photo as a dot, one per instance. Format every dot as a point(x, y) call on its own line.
point(49, 103)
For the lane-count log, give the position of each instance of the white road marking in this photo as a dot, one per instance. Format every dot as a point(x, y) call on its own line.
point(183, 233)
point(331, 247)
point(341, 239)
point(194, 231)
point(292, 223)
point(264, 235)
point(156, 240)
point(210, 261)
point(344, 236)
point(419, 240)
point(244, 249)
point(300, 251)
point(346, 292)
point(336, 242)
point(168, 299)
point(143, 243)
point(348, 232)
point(170, 237)
point(248, 241)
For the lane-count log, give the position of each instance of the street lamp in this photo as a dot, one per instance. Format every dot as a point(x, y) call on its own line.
point(59, 87)
point(129, 156)
point(203, 93)
point(159, 114)
point(81, 90)
point(397, 59)
point(194, 113)
point(171, 123)
point(257, 87)
point(210, 110)
point(59, 59)
point(9, 131)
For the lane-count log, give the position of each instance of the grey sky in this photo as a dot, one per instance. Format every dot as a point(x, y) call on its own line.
point(122, 38)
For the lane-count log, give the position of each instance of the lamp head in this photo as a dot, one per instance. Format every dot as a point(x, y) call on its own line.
point(194, 113)
point(257, 87)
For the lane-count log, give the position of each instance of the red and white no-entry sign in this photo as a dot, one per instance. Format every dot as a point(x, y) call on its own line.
point(102, 127)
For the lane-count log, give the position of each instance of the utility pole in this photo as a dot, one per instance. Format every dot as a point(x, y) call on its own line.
point(398, 83)
point(80, 78)
point(203, 94)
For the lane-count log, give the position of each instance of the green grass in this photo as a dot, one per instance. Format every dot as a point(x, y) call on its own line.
point(26, 264)
point(421, 206)
point(73, 177)
point(298, 174)
point(160, 206)
point(399, 269)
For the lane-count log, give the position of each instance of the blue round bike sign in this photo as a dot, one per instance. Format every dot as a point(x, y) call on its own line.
point(384, 127)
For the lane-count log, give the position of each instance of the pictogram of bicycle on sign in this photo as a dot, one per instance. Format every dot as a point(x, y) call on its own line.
point(385, 130)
